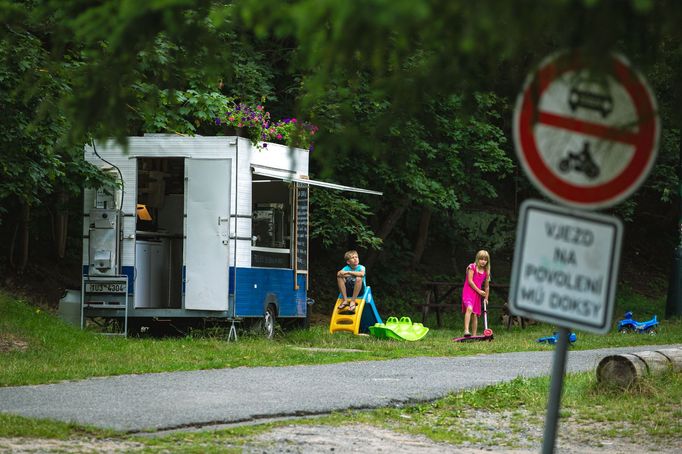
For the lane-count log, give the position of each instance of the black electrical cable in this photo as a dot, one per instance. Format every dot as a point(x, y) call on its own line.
point(94, 148)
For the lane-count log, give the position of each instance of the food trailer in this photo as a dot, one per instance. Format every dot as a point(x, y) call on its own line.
point(199, 228)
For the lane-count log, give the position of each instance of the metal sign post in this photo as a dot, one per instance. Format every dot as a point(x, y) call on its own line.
point(555, 387)
point(565, 273)
point(587, 138)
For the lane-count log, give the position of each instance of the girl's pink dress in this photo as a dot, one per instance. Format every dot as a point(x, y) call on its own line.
point(469, 295)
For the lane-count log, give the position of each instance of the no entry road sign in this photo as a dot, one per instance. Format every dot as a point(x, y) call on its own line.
point(586, 136)
point(565, 266)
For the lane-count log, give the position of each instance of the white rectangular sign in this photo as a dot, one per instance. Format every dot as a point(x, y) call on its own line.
point(565, 266)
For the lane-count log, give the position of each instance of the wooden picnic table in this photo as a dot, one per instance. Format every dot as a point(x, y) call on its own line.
point(444, 295)
point(437, 296)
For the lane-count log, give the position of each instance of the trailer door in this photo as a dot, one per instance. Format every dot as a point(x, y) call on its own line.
point(207, 217)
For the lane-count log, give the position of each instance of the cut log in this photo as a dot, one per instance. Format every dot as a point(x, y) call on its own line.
point(655, 362)
point(624, 370)
point(675, 357)
point(621, 370)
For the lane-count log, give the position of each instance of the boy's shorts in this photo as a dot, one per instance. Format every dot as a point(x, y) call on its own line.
point(350, 285)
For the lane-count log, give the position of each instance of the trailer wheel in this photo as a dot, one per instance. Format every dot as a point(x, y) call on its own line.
point(268, 322)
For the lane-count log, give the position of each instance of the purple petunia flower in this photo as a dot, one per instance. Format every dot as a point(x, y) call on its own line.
point(217, 121)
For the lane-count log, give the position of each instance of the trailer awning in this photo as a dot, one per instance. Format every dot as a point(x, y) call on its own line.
point(289, 176)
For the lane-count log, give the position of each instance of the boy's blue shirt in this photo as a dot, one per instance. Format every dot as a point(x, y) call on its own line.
point(357, 268)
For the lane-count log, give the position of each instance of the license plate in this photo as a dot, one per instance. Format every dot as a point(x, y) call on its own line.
point(105, 287)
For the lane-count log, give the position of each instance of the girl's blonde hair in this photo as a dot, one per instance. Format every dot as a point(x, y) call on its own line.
point(483, 254)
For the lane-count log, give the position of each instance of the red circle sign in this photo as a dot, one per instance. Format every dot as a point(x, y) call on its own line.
point(586, 136)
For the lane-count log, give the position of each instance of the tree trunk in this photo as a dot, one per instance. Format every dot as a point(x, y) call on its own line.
point(18, 256)
point(61, 223)
point(389, 223)
point(422, 236)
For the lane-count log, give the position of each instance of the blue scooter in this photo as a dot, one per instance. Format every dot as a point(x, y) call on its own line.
point(628, 325)
point(553, 339)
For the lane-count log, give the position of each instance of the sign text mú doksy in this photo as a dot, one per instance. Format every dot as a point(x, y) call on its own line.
point(565, 266)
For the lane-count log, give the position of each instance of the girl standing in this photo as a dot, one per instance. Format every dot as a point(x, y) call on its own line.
point(476, 285)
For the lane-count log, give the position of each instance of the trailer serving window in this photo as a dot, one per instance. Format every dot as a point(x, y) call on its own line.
point(271, 223)
point(280, 217)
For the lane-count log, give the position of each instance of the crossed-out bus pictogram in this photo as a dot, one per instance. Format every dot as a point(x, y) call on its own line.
point(573, 177)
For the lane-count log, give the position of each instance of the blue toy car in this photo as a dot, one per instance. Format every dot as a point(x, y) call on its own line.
point(628, 325)
point(555, 337)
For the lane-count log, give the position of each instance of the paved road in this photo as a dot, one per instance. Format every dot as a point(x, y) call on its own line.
point(138, 403)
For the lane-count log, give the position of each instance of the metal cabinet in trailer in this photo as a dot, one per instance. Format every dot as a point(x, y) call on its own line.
point(199, 227)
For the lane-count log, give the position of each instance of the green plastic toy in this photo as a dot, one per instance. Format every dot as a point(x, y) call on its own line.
point(402, 329)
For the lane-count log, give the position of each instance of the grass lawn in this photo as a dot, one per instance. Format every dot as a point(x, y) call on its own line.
point(36, 347)
point(51, 350)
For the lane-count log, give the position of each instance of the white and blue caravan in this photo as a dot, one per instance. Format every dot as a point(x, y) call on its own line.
point(201, 227)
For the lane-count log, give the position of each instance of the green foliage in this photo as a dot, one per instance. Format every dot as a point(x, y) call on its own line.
point(29, 164)
point(182, 112)
point(495, 231)
point(665, 79)
point(338, 218)
point(35, 160)
point(395, 55)
point(446, 154)
point(413, 100)
point(209, 112)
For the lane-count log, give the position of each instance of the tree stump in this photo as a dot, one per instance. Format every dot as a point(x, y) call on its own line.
point(624, 370)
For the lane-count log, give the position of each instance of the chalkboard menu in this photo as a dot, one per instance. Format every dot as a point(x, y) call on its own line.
point(302, 228)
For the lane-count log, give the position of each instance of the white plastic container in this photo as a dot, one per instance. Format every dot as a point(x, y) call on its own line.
point(70, 307)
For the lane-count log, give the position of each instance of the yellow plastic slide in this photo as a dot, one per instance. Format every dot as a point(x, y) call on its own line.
point(357, 321)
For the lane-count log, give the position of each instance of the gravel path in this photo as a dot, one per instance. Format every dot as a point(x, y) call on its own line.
point(138, 403)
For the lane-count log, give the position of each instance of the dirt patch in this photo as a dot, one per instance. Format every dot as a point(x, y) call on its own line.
point(349, 438)
point(507, 432)
point(500, 432)
point(522, 432)
point(11, 343)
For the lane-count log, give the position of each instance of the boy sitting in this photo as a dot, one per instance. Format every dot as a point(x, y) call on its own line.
point(351, 280)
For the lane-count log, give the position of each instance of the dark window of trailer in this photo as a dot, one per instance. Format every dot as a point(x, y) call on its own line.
point(271, 223)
